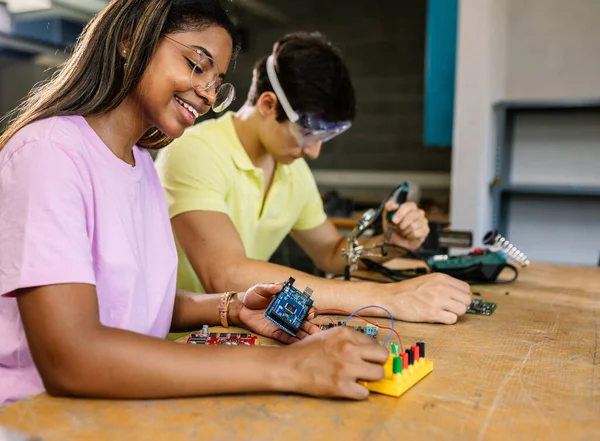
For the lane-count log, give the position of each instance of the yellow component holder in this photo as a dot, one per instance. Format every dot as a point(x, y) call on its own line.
point(396, 384)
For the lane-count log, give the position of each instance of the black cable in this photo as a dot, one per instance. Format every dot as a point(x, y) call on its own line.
point(478, 281)
point(367, 279)
point(396, 275)
point(346, 275)
point(393, 275)
point(410, 253)
point(400, 275)
point(506, 282)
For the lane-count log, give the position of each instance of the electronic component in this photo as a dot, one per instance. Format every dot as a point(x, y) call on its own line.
point(290, 307)
point(480, 307)
point(205, 337)
point(480, 266)
point(369, 330)
point(402, 371)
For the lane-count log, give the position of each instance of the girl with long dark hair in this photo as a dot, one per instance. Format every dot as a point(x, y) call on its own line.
point(87, 256)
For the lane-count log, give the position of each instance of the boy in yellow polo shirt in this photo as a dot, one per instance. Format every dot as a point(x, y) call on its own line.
point(238, 185)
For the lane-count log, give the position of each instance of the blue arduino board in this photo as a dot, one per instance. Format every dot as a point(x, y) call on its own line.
point(289, 308)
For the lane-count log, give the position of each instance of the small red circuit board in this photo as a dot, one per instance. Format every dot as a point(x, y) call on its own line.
point(222, 339)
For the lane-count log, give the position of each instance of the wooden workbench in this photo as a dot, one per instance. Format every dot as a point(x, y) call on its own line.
point(528, 372)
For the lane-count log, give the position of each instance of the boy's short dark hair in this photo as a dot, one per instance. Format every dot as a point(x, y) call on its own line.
point(313, 76)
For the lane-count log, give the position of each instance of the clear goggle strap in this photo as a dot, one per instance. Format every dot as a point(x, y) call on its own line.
point(287, 108)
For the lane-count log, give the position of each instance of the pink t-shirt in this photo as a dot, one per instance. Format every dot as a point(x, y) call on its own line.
point(72, 212)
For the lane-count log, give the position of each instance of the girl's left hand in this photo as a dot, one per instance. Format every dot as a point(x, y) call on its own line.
point(248, 310)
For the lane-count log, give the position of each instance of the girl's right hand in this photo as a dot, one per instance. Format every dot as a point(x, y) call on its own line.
point(330, 363)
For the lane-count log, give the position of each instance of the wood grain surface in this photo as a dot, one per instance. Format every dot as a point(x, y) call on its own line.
point(528, 372)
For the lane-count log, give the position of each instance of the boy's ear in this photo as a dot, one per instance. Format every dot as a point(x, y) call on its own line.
point(267, 104)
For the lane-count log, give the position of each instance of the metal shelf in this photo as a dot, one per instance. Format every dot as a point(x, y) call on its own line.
point(549, 190)
point(573, 104)
point(543, 187)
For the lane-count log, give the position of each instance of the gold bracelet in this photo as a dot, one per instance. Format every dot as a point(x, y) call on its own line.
point(224, 308)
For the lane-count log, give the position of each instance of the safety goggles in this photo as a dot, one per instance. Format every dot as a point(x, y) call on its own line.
point(205, 76)
point(307, 129)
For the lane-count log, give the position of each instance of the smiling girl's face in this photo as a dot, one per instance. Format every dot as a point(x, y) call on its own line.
point(165, 95)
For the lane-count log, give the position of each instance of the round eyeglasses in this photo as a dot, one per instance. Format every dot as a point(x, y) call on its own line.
point(205, 75)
